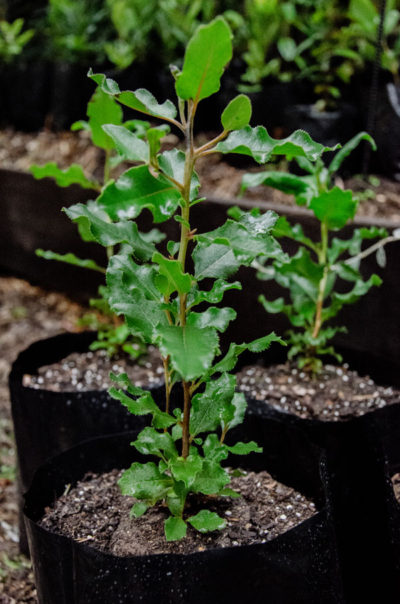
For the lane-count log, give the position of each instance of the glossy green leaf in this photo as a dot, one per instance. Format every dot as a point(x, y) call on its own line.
point(70, 259)
point(136, 190)
point(103, 109)
point(143, 405)
point(174, 528)
point(144, 481)
point(257, 143)
point(207, 54)
point(214, 295)
point(152, 442)
point(190, 349)
point(334, 207)
point(73, 175)
point(138, 509)
point(95, 226)
point(128, 145)
point(239, 405)
point(186, 470)
point(214, 260)
point(212, 317)
point(212, 478)
point(210, 407)
point(302, 187)
point(244, 448)
point(171, 278)
point(206, 521)
point(140, 100)
point(237, 113)
point(228, 362)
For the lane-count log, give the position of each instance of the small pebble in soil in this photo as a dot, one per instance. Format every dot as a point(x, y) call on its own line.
point(335, 394)
point(91, 371)
point(95, 512)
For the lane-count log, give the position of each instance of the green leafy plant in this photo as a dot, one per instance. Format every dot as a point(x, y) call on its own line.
point(13, 39)
point(361, 35)
point(113, 334)
point(170, 295)
point(77, 31)
point(311, 275)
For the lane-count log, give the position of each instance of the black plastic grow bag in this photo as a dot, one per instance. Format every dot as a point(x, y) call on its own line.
point(299, 567)
point(47, 422)
point(356, 451)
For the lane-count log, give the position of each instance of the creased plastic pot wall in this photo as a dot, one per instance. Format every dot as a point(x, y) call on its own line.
point(300, 567)
point(48, 422)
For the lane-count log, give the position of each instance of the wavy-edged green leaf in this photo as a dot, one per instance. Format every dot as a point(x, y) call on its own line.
point(144, 481)
point(348, 148)
point(152, 442)
point(128, 144)
point(207, 53)
point(143, 405)
point(335, 207)
point(212, 317)
point(302, 187)
point(186, 470)
point(339, 300)
point(228, 362)
point(136, 190)
point(212, 478)
point(140, 100)
point(174, 528)
point(73, 175)
point(354, 243)
point(237, 113)
point(103, 109)
point(70, 259)
point(190, 349)
point(144, 317)
point(258, 144)
point(214, 260)
point(206, 521)
point(171, 278)
point(124, 273)
point(244, 448)
point(94, 225)
point(214, 295)
point(213, 406)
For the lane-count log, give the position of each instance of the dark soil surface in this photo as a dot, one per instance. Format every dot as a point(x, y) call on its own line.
point(26, 314)
point(335, 394)
point(95, 512)
point(91, 371)
point(18, 151)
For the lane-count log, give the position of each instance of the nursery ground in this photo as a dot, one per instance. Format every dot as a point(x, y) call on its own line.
point(26, 314)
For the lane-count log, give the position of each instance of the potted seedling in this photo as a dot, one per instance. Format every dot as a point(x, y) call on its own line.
point(53, 387)
point(315, 276)
point(169, 295)
point(356, 419)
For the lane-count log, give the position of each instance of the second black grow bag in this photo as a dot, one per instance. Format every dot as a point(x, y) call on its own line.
point(48, 422)
point(356, 452)
point(299, 567)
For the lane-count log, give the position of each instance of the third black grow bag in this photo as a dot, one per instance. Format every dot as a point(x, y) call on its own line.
point(48, 422)
point(299, 567)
